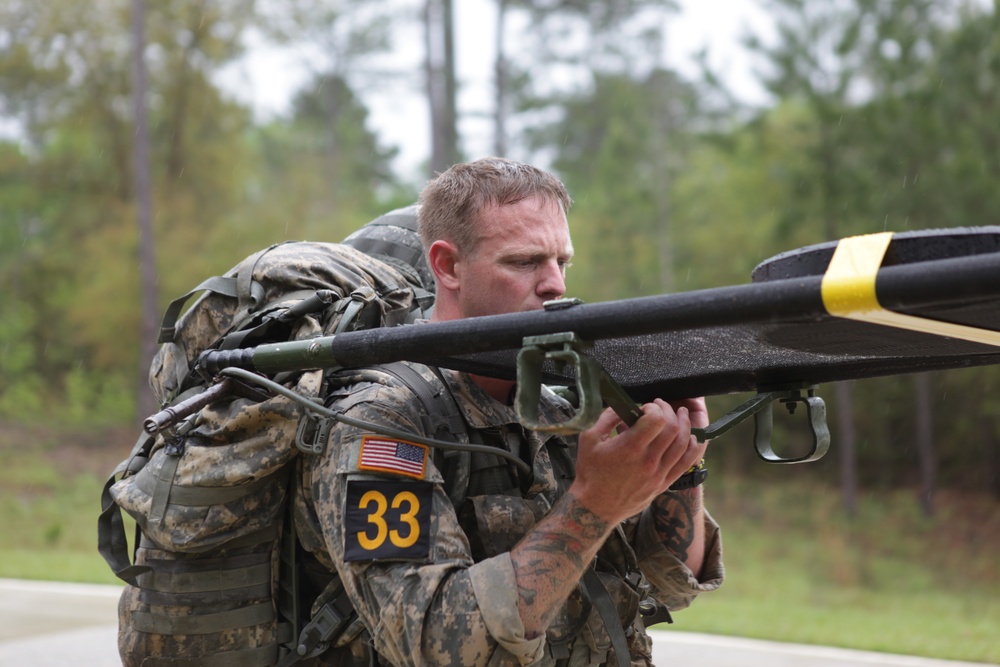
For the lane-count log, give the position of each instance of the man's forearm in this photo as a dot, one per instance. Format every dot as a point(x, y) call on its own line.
point(550, 560)
point(679, 519)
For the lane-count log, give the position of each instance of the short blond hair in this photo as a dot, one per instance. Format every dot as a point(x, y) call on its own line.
point(452, 203)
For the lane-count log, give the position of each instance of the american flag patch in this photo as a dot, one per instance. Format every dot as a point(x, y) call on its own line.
point(399, 457)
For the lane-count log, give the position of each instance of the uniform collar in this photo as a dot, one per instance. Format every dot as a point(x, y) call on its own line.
point(479, 408)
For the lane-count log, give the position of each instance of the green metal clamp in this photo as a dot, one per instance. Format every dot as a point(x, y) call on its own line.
point(595, 388)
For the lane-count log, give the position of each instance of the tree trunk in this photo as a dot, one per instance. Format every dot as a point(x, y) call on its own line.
point(925, 442)
point(846, 444)
point(992, 458)
point(663, 131)
point(144, 208)
point(440, 72)
point(500, 84)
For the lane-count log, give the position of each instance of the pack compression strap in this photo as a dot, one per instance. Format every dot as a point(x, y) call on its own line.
point(606, 609)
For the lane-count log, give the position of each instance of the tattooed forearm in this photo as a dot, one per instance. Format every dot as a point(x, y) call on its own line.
point(570, 531)
point(674, 516)
point(550, 559)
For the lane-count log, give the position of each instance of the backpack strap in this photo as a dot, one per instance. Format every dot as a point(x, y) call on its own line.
point(224, 285)
point(442, 419)
point(602, 601)
point(111, 540)
point(441, 413)
point(309, 302)
point(242, 286)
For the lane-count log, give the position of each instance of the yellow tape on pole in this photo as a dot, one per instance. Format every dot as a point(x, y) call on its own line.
point(848, 291)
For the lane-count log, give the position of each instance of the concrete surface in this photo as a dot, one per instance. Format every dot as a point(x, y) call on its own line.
point(44, 624)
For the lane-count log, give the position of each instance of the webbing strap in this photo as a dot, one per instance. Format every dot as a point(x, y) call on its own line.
point(163, 479)
point(241, 287)
point(425, 302)
point(249, 292)
point(609, 615)
point(207, 562)
point(359, 298)
point(370, 246)
point(203, 624)
point(441, 409)
point(211, 580)
point(219, 284)
point(111, 540)
point(255, 592)
point(323, 629)
point(263, 656)
point(308, 302)
point(195, 496)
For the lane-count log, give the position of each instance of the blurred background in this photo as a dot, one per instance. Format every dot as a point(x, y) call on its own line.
point(145, 145)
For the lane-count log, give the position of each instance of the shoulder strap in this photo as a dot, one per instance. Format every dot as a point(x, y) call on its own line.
point(442, 416)
point(443, 420)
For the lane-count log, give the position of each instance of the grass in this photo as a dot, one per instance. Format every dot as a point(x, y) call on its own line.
point(890, 580)
point(50, 489)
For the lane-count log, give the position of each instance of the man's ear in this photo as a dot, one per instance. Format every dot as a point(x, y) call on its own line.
point(443, 258)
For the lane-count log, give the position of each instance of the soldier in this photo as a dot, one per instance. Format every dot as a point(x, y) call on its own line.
point(468, 560)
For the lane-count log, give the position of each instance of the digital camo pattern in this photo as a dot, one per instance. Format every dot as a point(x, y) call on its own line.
point(161, 628)
point(280, 271)
point(220, 495)
point(240, 448)
point(459, 605)
point(211, 509)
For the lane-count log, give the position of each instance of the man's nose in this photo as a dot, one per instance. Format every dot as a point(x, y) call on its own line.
point(552, 282)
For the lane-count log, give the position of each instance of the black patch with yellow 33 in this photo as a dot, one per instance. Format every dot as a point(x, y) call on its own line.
point(387, 519)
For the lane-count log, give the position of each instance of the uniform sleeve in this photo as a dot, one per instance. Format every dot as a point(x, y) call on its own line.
point(432, 608)
point(673, 582)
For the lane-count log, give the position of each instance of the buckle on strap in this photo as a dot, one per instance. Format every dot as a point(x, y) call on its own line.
point(326, 625)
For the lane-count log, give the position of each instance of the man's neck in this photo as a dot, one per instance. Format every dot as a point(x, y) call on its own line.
point(500, 390)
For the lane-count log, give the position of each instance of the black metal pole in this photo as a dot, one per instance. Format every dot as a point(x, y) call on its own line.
point(793, 300)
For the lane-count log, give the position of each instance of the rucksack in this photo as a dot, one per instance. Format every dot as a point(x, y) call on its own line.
point(215, 576)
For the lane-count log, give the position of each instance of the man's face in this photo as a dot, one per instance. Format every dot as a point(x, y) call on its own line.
point(520, 261)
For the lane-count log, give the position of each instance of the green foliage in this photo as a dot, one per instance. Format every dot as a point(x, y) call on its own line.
point(50, 496)
point(21, 393)
point(97, 399)
point(737, 192)
point(222, 186)
point(619, 145)
point(883, 118)
point(799, 571)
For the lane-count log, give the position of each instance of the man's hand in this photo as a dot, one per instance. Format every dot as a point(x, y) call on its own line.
point(621, 469)
point(697, 411)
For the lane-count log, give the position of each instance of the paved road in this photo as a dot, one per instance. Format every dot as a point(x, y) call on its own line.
point(56, 625)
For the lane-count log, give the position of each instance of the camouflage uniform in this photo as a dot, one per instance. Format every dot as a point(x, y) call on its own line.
point(455, 602)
